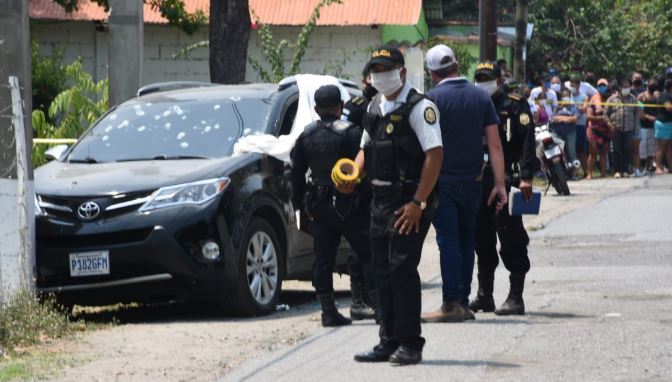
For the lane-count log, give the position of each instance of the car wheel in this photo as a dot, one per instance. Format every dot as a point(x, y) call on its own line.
point(260, 262)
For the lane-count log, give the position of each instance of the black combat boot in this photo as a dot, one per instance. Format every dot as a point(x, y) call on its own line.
point(330, 315)
point(514, 304)
point(484, 300)
point(360, 310)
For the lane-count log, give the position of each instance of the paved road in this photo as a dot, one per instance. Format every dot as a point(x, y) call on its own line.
point(599, 298)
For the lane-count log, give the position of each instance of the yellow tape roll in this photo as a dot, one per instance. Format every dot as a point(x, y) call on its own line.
point(345, 170)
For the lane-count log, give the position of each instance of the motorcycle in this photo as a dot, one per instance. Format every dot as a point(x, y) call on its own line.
point(551, 154)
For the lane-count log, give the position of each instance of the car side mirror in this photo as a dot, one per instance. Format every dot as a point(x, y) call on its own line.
point(56, 152)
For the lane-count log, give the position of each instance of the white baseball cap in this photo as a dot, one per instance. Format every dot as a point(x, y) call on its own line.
point(440, 57)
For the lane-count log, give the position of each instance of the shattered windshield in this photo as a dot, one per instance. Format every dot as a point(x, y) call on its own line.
point(172, 129)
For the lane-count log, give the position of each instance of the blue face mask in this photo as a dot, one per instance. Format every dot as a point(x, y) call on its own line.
point(603, 89)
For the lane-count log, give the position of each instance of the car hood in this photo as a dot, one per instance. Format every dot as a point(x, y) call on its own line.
point(83, 179)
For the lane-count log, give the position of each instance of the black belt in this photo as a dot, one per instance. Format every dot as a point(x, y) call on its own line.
point(403, 189)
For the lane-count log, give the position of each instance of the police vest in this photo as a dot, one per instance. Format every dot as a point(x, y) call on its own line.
point(325, 143)
point(394, 154)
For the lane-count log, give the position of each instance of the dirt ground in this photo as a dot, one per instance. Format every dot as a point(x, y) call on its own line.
point(189, 343)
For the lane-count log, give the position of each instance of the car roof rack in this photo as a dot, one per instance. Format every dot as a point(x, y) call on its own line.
point(171, 85)
point(291, 80)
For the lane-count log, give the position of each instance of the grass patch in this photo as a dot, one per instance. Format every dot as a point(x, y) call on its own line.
point(39, 365)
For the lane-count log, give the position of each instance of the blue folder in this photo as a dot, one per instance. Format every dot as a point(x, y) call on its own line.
point(519, 206)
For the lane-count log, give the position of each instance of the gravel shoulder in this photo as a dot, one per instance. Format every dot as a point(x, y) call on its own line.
point(186, 342)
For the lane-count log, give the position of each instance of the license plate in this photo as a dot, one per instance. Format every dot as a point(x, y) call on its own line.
point(552, 152)
point(89, 263)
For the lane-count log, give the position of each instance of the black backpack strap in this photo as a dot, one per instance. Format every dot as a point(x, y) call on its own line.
point(371, 117)
point(413, 98)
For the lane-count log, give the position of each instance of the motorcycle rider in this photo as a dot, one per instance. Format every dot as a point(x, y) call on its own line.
point(516, 130)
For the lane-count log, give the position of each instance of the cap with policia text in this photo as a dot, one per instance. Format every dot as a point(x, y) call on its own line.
point(328, 96)
point(386, 55)
point(489, 69)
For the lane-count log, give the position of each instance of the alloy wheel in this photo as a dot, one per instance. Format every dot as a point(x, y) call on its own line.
point(262, 267)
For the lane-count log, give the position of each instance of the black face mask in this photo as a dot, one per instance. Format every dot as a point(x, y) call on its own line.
point(652, 88)
point(638, 83)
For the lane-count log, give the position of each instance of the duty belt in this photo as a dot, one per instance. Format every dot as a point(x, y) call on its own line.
point(398, 189)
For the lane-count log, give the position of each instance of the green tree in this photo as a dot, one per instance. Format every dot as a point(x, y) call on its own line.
point(609, 37)
point(74, 110)
point(48, 77)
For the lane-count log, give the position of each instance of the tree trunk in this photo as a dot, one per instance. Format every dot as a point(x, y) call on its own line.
point(519, 58)
point(229, 35)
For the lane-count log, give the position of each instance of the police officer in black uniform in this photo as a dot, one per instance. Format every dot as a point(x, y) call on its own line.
point(364, 302)
point(516, 130)
point(334, 214)
point(402, 153)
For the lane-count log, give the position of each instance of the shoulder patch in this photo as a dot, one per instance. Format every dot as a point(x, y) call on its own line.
point(524, 119)
point(340, 125)
point(359, 101)
point(430, 115)
point(514, 97)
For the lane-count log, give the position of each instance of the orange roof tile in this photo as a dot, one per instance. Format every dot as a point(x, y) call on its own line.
point(272, 12)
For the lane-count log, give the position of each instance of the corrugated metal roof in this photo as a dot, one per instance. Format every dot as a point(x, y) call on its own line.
point(91, 11)
point(271, 12)
point(351, 12)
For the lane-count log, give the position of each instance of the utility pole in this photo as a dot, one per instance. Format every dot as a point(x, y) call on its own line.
point(488, 29)
point(125, 49)
point(17, 214)
point(520, 48)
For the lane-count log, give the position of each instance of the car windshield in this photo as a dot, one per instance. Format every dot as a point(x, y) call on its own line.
point(172, 130)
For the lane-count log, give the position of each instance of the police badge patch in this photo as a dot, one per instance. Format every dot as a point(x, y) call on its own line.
point(524, 119)
point(430, 116)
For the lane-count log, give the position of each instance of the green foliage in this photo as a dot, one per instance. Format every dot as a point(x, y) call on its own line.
point(172, 10)
point(48, 77)
point(274, 51)
point(462, 54)
point(609, 37)
point(26, 321)
point(73, 110)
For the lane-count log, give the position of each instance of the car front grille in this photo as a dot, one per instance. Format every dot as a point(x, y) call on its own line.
point(95, 240)
point(65, 208)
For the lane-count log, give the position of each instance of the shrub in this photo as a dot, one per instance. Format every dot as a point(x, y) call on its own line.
point(48, 77)
point(26, 320)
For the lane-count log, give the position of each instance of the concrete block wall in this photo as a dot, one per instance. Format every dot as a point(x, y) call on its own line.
point(340, 51)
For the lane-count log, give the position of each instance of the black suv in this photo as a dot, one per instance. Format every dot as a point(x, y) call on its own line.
point(150, 205)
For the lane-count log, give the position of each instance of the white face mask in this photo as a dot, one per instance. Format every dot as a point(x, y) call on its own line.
point(556, 87)
point(387, 82)
point(625, 91)
point(489, 86)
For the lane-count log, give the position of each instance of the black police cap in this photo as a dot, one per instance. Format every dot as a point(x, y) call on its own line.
point(386, 55)
point(489, 69)
point(328, 96)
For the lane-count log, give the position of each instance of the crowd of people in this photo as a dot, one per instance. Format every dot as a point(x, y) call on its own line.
point(625, 125)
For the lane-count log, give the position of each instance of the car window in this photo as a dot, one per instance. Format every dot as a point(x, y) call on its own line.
point(288, 118)
point(167, 129)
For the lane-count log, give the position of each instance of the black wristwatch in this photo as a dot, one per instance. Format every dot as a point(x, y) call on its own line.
point(420, 204)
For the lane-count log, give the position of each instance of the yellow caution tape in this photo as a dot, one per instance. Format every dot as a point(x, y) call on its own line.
point(612, 104)
point(62, 141)
point(345, 170)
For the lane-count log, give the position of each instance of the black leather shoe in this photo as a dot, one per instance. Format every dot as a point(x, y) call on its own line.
point(378, 354)
point(331, 319)
point(406, 356)
point(511, 307)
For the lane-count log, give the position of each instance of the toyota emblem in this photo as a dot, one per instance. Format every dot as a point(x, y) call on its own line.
point(88, 211)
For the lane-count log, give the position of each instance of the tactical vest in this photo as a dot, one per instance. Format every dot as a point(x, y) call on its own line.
point(325, 143)
point(394, 154)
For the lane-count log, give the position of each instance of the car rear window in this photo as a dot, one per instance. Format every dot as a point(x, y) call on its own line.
point(172, 129)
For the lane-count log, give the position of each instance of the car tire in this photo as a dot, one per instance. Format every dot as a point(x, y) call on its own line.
point(260, 264)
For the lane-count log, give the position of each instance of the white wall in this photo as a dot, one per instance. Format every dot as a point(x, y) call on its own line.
point(340, 51)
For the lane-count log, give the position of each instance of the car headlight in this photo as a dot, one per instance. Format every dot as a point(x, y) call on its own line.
point(186, 194)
